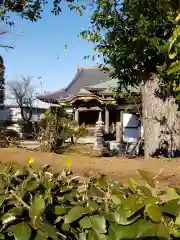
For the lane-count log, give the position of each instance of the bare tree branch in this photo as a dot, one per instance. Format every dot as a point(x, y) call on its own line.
point(23, 92)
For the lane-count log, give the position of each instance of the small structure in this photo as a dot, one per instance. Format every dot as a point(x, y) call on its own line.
point(99, 144)
point(92, 91)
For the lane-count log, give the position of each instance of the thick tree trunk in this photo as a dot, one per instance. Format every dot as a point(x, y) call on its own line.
point(161, 122)
point(26, 116)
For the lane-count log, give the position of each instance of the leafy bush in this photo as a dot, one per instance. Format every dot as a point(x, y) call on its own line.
point(80, 131)
point(45, 205)
point(55, 128)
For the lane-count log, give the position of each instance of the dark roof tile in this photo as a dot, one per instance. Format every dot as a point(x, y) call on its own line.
point(84, 77)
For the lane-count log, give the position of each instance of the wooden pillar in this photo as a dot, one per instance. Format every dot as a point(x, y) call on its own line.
point(119, 129)
point(76, 115)
point(106, 120)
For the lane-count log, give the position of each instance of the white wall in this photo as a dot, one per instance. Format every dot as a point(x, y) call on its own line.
point(14, 114)
point(4, 114)
point(131, 128)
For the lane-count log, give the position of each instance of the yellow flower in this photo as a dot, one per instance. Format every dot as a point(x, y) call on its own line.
point(68, 163)
point(30, 161)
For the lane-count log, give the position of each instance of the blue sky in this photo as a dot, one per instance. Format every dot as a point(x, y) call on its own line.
point(39, 44)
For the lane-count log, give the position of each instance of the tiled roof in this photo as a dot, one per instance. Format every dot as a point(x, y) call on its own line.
point(84, 77)
point(110, 86)
point(37, 104)
point(58, 94)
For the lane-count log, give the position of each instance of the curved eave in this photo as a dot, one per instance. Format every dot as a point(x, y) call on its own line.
point(85, 98)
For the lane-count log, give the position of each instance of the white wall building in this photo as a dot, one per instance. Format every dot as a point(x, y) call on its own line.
point(11, 113)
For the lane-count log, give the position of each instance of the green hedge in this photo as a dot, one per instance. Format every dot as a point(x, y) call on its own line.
point(43, 205)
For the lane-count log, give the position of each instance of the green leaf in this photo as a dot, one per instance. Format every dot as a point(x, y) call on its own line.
point(48, 229)
point(98, 223)
point(59, 210)
point(138, 230)
point(2, 198)
point(65, 227)
point(172, 194)
point(32, 185)
point(93, 191)
point(154, 212)
point(177, 221)
point(171, 207)
point(22, 231)
point(2, 236)
point(132, 185)
point(102, 183)
point(117, 231)
point(37, 208)
point(8, 218)
point(145, 175)
point(85, 223)
point(116, 200)
point(2, 184)
point(75, 213)
point(162, 231)
point(119, 217)
point(172, 55)
point(82, 236)
point(132, 204)
point(40, 236)
point(174, 70)
point(145, 191)
point(177, 18)
point(151, 200)
point(176, 233)
point(92, 235)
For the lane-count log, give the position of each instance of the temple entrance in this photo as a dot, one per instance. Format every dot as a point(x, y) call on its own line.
point(89, 118)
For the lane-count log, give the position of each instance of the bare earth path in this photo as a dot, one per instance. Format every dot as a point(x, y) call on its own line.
point(116, 168)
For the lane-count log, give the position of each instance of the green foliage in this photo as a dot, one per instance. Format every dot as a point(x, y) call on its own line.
point(55, 128)
point(80, 131)
point(46, 205)
point(137, 38)
point(32, 9)
point(173, 49)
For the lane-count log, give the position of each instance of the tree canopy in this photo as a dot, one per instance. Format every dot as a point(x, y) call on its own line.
point(133, 36)
point(32, 9)
point(138, 37)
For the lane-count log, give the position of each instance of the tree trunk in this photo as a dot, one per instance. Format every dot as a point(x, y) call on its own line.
point(161, 122)
point(26, 116)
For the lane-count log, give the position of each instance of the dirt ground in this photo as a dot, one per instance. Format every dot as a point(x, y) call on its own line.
point(116, 168)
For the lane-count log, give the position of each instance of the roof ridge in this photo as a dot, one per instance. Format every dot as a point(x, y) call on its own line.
point(78, 73)
point(59, 89)
point(91, 67)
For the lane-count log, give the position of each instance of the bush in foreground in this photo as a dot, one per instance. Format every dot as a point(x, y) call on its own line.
point(44, 205)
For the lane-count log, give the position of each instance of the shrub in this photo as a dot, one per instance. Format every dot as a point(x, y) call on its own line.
point(80, 131)
point(55, 128)
point(45, 205)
